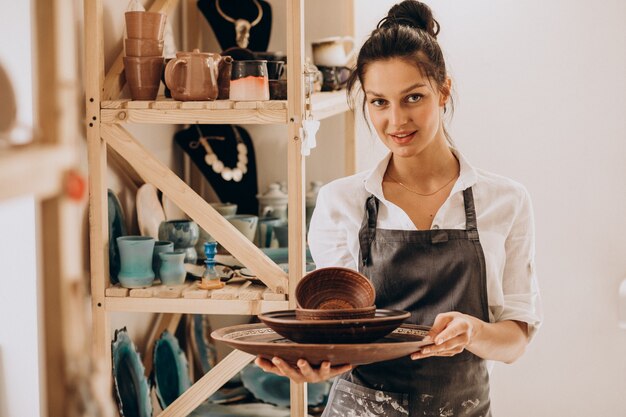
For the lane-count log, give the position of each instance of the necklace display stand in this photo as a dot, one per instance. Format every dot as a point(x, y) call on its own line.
point(247, 10)
point(223, 143)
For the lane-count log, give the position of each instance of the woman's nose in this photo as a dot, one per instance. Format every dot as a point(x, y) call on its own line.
point(398, 116)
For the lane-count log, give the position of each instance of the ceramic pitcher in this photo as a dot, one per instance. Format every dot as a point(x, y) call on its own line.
point(196, 76)
point(331, 52)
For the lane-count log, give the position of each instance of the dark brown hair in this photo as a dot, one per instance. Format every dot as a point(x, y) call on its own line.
point(409, 32)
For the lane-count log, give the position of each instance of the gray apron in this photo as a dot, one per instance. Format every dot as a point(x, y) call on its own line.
point(425, 272)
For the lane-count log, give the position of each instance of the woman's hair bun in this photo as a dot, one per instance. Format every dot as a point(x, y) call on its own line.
point(411, 13)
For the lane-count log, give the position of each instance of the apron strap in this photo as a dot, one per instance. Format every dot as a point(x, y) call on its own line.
point(368, 229)
point(470, 214)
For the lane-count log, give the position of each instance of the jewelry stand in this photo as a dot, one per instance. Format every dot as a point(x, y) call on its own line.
point(223, 143)
point(247, 10)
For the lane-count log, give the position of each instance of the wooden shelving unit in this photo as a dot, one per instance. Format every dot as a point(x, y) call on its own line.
point(108, 115)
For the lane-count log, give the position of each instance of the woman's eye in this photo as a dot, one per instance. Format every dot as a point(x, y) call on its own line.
point(414, 98)
point(378, 102)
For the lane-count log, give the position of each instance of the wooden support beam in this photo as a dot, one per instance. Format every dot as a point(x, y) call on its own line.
point(296, 170)
point(208, 384)
point(158, 174)
point(115, 78)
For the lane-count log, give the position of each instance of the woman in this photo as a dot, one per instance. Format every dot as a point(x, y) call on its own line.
point(451, 244)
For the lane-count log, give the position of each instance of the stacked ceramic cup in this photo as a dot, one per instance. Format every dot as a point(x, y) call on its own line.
point(143, 60)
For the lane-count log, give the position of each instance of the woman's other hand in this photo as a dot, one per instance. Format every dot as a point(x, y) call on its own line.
point(304, 372)
point(451, 333)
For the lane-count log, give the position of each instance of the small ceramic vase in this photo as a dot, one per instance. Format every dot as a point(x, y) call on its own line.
point(160, 246)
point(184, 234)
point(172, 271)
point(136, 261)
point(265, 237)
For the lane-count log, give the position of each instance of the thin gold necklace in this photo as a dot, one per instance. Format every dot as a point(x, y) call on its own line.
point(422, 194)
point(242, 26)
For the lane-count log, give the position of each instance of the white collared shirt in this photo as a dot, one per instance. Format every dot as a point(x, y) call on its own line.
point(505, 226)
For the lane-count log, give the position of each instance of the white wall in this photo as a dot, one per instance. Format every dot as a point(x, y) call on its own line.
point(540, 98)
point(19, 354)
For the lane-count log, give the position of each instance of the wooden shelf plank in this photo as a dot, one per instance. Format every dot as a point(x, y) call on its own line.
point(192, 305)
point(34, 169)
point(168, 111)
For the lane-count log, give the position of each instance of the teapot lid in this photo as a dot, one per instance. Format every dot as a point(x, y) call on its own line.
point(273, 193)
point(196, 52)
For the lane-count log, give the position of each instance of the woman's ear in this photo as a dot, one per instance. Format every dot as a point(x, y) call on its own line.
point(445, 90)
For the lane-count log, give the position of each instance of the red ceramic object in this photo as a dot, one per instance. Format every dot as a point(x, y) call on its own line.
point(258, 339)
point(366, 330)
point(335, 314)
point(334, 288)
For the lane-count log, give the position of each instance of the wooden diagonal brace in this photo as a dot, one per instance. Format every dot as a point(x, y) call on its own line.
point(158, 174)
point(115, 79)
point(208, 384)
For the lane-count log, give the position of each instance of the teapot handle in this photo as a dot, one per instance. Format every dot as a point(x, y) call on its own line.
point(169, 75)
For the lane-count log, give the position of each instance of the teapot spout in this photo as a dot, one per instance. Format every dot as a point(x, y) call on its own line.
point(224, 67)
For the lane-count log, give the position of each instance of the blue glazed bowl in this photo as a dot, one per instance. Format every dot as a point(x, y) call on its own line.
point(184, 233)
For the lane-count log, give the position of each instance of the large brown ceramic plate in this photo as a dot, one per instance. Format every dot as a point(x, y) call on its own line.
point(258, 339)
point(362, 330)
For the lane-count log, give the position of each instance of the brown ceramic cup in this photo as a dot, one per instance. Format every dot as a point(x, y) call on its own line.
point(143, 47)
point(145, 25)
point(143, 75)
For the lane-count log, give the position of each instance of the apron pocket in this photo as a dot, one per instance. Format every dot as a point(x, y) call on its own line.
point(352, 400)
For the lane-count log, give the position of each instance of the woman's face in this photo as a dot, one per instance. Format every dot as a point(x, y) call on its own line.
point(404, 106)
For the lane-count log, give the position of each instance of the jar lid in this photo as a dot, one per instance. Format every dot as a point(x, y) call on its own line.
point(273, 194)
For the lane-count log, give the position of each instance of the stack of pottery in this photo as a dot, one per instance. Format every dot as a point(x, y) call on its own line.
point(143, 60)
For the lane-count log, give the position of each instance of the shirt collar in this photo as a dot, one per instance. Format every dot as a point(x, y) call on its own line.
point(374, 180)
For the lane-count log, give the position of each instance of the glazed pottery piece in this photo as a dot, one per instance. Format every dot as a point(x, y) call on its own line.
point(143, 76)
point(225, 209)
point(282, 235)
point(117, 228)
point(193, 76)
point(159, 247)
point(245, 223)
point(143, 47)
point(274, 389)
point(131, 386)
point(170, 369)
point(265, 237)
point(259, 339)
point(172, 271)
point(184, 234)
point(273, 202)
point(331, 52)
point(361, 330)
point(145, 25)
point(150, 212)
point(335, 314)
point(136, 261)
point(334, 288)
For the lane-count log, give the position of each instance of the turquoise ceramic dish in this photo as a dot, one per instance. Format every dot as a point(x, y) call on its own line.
point(274, 389)
point(131, 386)
point(117, 228)
point(170, 374)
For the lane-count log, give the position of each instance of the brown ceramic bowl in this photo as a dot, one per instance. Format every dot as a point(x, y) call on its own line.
point(334, 288)
point(143, 47)
point(335, 314)
point(145, 25)
point(368, 330)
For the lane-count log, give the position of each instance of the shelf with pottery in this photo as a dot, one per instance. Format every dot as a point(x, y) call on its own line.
point(17, 176)
point(168, 111)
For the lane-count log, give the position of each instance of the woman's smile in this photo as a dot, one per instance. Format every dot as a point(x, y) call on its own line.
point(402, 137)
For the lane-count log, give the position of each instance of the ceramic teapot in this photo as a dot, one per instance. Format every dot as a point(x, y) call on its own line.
point(273, 203)
point(197, 76)
point(331, 52)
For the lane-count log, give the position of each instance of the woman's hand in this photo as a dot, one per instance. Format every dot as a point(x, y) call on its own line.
point(304, 372)
point(451, 333)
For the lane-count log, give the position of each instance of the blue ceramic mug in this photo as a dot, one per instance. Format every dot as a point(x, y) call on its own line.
point(136, 261)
